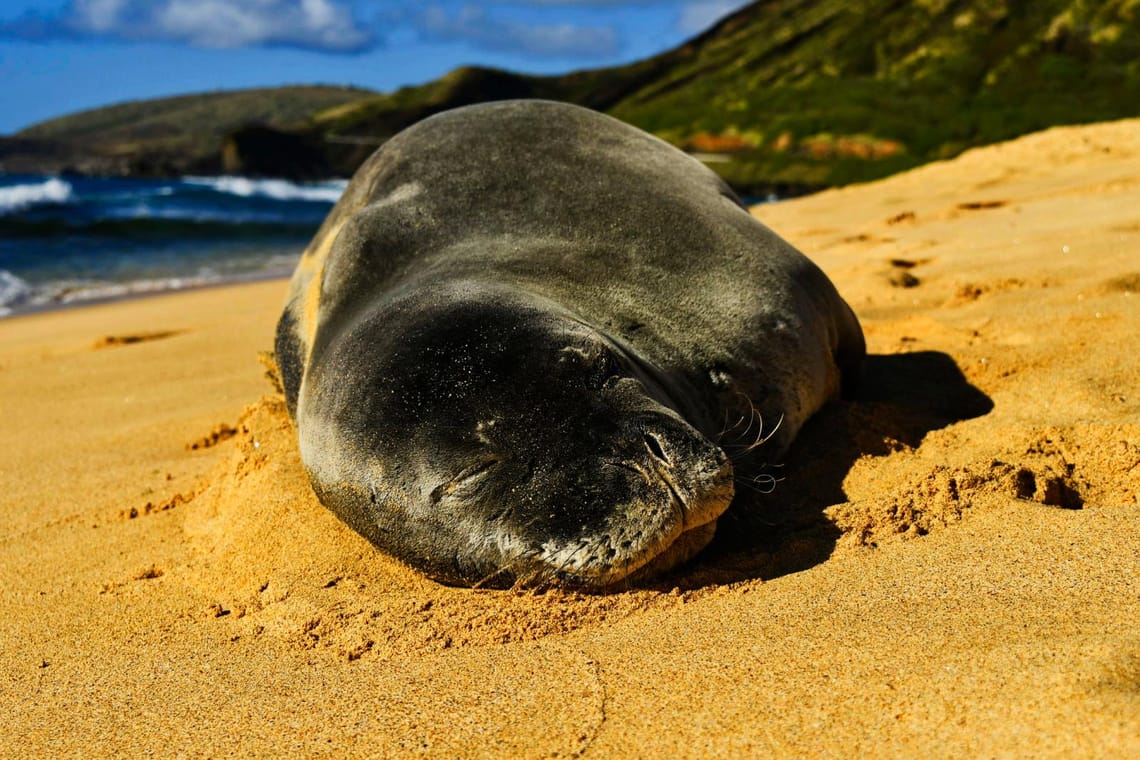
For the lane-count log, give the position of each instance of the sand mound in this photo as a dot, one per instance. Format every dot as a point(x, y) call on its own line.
point(270, 555)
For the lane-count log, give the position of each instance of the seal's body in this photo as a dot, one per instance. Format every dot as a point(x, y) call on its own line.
point(514, 347)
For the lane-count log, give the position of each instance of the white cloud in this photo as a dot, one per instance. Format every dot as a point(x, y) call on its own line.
point(311, 24)
point(698, 16)
point(544, 28)
point(99, 15)
point(475, 26)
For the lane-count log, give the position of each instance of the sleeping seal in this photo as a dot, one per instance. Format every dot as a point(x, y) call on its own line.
point(513, 349)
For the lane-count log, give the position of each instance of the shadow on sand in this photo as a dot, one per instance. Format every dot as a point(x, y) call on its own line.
point(902, 397)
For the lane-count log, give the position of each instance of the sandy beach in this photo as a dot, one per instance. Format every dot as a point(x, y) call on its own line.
point(953, 567)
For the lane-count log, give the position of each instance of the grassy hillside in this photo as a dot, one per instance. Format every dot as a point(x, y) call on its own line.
point(784, 93)
point(831, 92)
point(178, 133)
point(212, 113)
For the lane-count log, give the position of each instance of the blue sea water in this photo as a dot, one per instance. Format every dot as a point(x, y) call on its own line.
point(66, 240)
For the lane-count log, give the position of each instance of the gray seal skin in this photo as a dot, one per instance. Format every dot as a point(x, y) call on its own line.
point(525, 342)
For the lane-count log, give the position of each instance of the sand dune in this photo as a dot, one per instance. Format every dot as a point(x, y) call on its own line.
point(949, 565)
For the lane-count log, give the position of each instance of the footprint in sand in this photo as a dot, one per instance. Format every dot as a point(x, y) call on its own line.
point(865, 238)
point(221, 432)
point(111, 341)
point(900, 275)
point(902, 216)
point(981, 205)
point(1127, 283)
point(969, 292)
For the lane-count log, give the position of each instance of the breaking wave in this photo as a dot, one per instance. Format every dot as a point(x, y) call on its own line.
point(19, 197)
point(277, 189)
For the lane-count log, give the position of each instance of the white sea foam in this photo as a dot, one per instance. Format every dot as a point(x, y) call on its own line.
point(18, 197)
point(17, 296)
point(13, 292)
point(97, 291)
point(277, 189)
point(76, 291)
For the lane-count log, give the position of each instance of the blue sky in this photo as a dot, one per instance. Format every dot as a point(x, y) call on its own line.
point(58, 56)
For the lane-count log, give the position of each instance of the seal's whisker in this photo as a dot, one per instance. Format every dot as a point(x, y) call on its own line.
point(761, 484)
point(754, 415)
point(723, 425)
point(735, 425)
point(759, 435)
point(489, 577)
point(749, 415)
point(761, 439)
point(751, 418)
point(520, 580)
point(560, 571)
point(729, 428)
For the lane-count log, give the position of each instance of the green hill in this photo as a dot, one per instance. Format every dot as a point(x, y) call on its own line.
point(782, 94)
point(833, 92)
point(166, 135)
point(212, 114)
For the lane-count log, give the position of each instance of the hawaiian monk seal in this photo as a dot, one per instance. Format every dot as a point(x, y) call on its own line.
point(512, 348)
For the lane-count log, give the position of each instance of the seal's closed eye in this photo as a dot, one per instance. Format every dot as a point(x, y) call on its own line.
point(595, 364)
point(467, 477)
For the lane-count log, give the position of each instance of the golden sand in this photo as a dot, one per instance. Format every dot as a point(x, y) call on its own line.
point(170, 585)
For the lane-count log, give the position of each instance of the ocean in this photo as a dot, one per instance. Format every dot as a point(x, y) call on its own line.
point(67, 240)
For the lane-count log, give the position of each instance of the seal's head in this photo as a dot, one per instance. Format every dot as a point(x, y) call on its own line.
point(488, 439)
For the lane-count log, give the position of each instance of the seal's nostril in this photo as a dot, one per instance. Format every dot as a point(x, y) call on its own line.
point(654, 445)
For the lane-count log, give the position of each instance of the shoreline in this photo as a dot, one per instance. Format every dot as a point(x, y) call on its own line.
point(104, 300)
